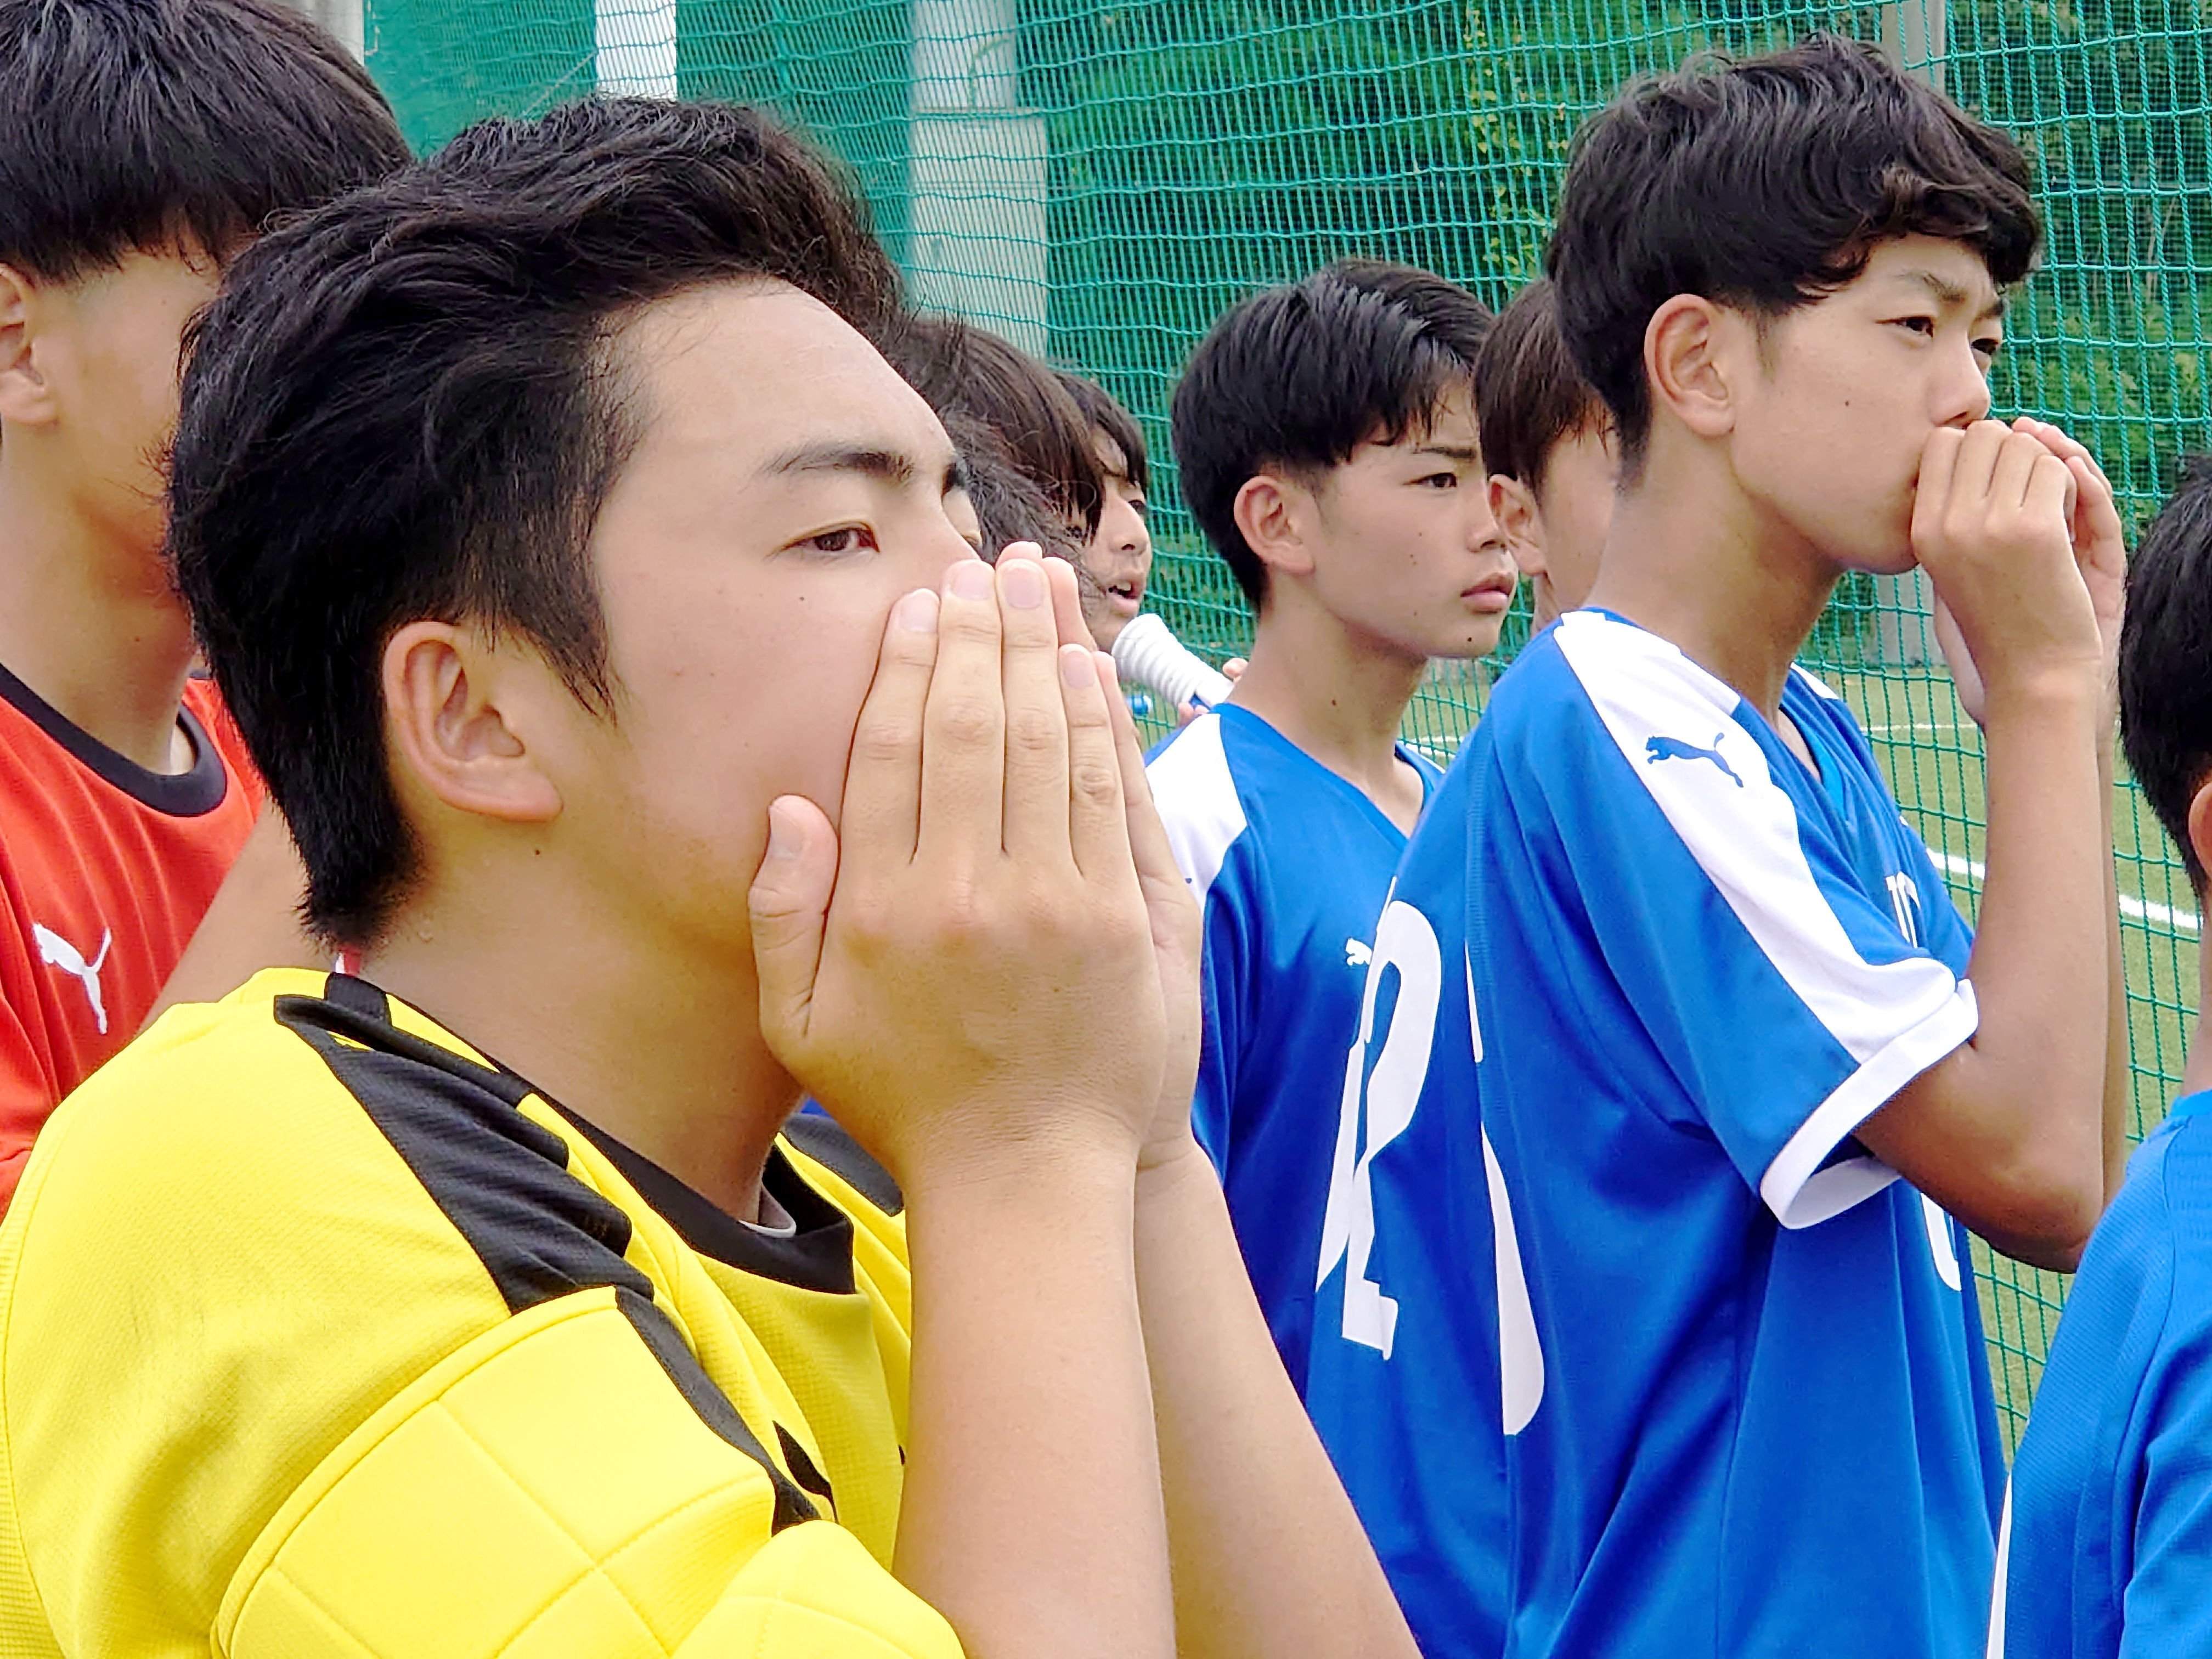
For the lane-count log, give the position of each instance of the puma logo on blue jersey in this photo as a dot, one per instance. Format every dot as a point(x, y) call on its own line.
point(1658, 749)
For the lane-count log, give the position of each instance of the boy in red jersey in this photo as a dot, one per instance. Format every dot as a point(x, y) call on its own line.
point(141, 141)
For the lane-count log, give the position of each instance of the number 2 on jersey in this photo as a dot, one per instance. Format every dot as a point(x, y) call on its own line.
point(1404, 943)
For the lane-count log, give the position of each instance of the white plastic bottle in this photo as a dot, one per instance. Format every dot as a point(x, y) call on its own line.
point(1148, 653)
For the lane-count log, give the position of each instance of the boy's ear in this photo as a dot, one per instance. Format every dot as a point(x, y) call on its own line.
point(1513, 505)
point(2200, 824)
point(1272, 514)
point(27, 396)
point(460, 712)
point(1686, 345)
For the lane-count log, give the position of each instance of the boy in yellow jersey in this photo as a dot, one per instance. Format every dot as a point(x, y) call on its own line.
point(556, 537)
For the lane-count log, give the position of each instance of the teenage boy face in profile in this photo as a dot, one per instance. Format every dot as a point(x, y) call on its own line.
point(88, 377)
point(1118, 558)
point(1557, 529)
point(1827, 408)
point(787, 486)
point(1397, 543)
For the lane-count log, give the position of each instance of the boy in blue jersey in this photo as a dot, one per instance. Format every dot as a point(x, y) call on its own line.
point(2109, 1530)
point(1631, 1338)
point(1325, 434)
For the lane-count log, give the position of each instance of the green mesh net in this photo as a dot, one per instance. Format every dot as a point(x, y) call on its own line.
point(1099, 178)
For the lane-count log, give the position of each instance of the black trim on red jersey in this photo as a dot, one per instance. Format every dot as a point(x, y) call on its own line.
point(817, 1256)
point(824, 1139)
point(665, 1343)
point(188, 795)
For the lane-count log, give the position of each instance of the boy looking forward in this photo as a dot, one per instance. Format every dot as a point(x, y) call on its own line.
point(1549, 443)
point(1683, 1017)
point(142, 143)
point(2109, 1527)
point(1325, 434)
point(557, 536)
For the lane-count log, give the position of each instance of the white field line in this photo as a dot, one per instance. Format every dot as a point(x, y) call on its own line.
point(2136, 909)
point(1915, 727)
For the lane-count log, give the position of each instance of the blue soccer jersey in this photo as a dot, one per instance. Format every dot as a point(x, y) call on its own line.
point(1603, 1258)
point(1409, 1411)
point(1290, 862)
point(2110, 1530)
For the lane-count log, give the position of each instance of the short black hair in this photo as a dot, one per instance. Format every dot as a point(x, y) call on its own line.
point(2165, 658)
point(1533, 395)
point(412, 404)
point(138, 126)
point(1299, 377)
point(1764, 185)
point(1111, 421)
point(1009, 505)
point(965, 371)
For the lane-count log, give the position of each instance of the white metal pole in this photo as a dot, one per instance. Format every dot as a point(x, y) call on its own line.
point(634, 47)
point(341, 18)
point(976, 172)
point(964, 54)
point(1913, 32)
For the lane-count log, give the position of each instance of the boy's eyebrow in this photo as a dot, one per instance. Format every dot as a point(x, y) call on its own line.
point(888, 464)
point(1948, 293)
point(1450, 452)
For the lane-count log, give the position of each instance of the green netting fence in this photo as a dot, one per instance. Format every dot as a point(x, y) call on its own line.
point(1099, 178)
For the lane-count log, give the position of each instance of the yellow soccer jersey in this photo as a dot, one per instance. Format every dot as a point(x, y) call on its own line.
point(320, 1334)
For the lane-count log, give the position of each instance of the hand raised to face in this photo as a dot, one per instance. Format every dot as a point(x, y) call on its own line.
point(1993, 524)
point(965, 972)
point(2100, 550)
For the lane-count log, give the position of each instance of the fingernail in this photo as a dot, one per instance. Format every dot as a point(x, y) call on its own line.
point(1024, 584)
point(1077, 668)
point(784, 840)
point(1022, 550)
point(971, 581)
point(917, 613)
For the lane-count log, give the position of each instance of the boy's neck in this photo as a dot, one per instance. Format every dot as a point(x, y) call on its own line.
point(662, 1053)
point(1338, 695)
point(88, 620)
point(1689, 558)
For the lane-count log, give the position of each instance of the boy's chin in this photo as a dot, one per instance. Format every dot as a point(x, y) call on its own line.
point(1898, 562)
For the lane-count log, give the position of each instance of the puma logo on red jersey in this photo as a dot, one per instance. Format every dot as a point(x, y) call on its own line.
point(57, 952)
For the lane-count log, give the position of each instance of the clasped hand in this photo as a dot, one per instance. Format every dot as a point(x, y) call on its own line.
point(993, 959)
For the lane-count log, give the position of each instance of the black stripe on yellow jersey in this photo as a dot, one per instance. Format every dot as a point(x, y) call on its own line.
point(322, 1333)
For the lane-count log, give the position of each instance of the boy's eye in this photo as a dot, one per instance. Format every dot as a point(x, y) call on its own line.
point(1918, 325)
point(1141, 507)
point(1439, 480)
point(846, 539)
point(1986, 348)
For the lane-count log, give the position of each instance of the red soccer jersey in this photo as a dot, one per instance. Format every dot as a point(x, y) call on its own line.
point(105, 870)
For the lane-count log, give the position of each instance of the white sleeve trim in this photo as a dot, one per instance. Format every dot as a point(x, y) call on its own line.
point(1676, 728)
point(1796, 1188)
point(1195, 793)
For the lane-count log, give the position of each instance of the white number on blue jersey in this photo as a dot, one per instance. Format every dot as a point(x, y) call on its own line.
point(1383, 1107)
